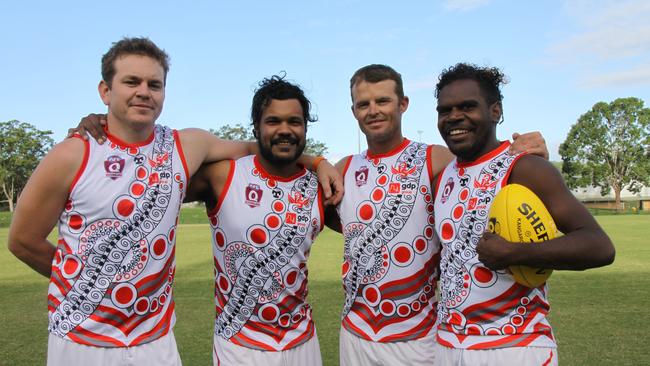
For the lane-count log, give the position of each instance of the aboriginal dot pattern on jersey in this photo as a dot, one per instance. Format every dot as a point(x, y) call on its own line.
point(260, 264)
point(386, 224)
point(455, 283)
point(105, 258)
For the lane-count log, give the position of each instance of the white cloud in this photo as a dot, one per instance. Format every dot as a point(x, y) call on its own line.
point(608, 35)
point(637, 76)
point(464, 5)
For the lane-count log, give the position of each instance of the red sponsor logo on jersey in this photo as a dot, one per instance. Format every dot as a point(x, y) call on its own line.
point(485, 183)
point(114, 165)
point(158, 160)
point(394, 188)
point(402, 169)
point(446, 191)
point(472, 203)
point(253, 195)
point(290, 218)
point(361, 176)
point(154, 178)
point(297, 199)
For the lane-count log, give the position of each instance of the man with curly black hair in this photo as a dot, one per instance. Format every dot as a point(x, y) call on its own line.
point(265, 211)
point(485, 317)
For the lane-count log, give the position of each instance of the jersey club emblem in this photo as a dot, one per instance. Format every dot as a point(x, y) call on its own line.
point(114, 166)
point(446, 192)
point(361, 176)
point(253, 195)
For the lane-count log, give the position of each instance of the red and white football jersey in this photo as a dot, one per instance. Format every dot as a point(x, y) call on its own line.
point(112, 273)
point(262, 231)
point(480, 308)
point(391, 253)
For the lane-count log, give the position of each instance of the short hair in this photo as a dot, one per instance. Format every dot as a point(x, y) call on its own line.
point(488, 78)
point(375, 73)
point(132, 46)
point(276, 87)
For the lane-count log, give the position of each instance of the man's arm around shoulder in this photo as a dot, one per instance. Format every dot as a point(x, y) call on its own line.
point(41, 203)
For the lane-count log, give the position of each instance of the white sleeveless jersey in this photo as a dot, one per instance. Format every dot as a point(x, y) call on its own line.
point(262, 231)
point(391, 253)
point(112, 273)
point(480, 308)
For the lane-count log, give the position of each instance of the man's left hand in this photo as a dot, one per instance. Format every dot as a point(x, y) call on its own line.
point(532, 143)
point(331, 181)
point(494, 251)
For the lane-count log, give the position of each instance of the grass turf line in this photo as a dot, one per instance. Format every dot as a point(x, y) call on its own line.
point(600, 316)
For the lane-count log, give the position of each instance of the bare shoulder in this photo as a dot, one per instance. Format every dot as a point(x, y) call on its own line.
point(440, 158)
point(340, 165)
point(533, 167)
point(66, 156)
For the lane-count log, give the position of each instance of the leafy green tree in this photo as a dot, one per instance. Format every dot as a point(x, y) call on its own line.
point(236, 132)
point(245, 133)
point(608, 148)
point(21, 148)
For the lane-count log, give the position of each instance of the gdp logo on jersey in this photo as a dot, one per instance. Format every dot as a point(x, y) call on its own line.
point(253, 195)
point(114, 165)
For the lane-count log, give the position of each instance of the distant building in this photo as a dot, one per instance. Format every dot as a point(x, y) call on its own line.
point(591, 197)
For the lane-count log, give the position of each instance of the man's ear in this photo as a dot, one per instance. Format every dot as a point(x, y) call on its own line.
point(104, 92)
point(496, 112)
point(404, 104)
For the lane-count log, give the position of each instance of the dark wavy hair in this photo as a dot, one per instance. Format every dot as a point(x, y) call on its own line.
point(276, 87)
point(375, 73)
point(132, 46)
point(488, 78)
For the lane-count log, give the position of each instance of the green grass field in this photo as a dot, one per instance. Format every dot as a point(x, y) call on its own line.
point(600, 317)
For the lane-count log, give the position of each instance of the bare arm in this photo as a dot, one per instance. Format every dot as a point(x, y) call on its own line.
point(208, 183)
point(440, 158)
point(332, 219)
point(41, 203)
point(584, 245)
point(201, 146)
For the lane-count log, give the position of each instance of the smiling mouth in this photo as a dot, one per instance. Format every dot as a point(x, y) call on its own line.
point(142, 106)
point(457, 132)
point(284, 143)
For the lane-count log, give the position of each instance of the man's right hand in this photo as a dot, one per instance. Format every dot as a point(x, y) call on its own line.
point(93, 125)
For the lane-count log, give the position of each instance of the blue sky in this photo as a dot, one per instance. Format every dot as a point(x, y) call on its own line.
point(561, 57)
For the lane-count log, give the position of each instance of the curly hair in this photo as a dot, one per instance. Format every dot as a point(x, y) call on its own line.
point(276, 87)
point(488, 78)
point(132, 46)
point(375, 73)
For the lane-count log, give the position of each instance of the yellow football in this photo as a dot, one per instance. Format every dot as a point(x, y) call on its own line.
point(518, 215)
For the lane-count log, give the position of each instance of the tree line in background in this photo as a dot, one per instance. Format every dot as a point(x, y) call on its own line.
point(245, 133)
point(608, 147)
point(21, 148)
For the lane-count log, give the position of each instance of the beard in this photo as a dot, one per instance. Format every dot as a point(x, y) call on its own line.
point(267, 151)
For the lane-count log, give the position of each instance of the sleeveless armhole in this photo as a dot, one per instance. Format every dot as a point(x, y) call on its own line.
point(321, 209)
point(429, 162)
point(437, 185)
point(506, 178)
point(82, 168)
point(347, 165)
point(224, 192)
point(177, 141)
